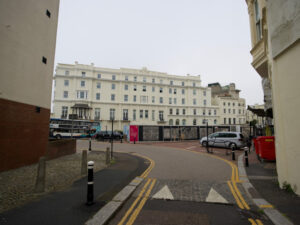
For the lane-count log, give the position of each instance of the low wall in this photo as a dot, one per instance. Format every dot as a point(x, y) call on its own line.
point(24, 131)
point(58, 148)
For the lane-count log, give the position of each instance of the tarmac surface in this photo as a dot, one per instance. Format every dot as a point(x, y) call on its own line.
point(68, 206)
point(185, 184)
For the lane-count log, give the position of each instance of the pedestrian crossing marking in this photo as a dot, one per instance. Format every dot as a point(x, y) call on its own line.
point(214, 196)
point(164, 193)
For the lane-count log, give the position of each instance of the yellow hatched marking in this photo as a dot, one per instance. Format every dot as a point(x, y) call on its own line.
point(134, 203)
point(142, 203)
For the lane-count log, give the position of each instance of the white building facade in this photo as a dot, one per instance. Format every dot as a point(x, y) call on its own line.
point(131, 97)
point(232, 108)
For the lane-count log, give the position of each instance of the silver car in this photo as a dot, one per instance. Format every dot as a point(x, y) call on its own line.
point(225, 139)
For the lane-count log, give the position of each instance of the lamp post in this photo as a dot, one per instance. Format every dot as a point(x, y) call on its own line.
point(207, 149)
point(112, 137)
point(72, 123)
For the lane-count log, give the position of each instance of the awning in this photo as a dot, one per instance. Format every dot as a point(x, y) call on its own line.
point(261, 112)
point(82, 106)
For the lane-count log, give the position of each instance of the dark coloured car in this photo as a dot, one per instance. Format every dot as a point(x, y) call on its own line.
point(102, 135)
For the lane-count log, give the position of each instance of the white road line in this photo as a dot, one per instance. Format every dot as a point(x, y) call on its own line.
point(214, 196)
point(164, 193)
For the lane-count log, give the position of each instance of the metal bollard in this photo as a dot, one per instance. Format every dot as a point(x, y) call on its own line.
point(134, 140)
point(233, 152)
point(246, 156)
point(107, 156)
point(121, 140)
point(90, 144)
point(90, 183)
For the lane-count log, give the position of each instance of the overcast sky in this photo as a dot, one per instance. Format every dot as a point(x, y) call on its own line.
point(207, 38)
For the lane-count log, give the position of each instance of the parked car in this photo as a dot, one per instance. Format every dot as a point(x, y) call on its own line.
point(225, 139)
point(101, 135)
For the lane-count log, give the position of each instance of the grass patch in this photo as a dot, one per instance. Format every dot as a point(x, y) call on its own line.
point(287, 187)
point(261, 211)
point(112, 161)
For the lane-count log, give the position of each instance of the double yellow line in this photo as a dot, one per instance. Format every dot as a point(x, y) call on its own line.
point(255, 222)
point(141, 199)
point(148, 170)
point(240, 201)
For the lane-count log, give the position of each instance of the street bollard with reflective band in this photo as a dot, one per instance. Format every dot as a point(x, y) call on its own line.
point(233, 152)
point(90, 183)
point(246, 156)
point(90, 144)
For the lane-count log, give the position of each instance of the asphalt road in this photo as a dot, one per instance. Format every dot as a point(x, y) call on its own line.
point(184, 187)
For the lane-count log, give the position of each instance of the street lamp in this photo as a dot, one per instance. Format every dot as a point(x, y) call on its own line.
point(112, 136)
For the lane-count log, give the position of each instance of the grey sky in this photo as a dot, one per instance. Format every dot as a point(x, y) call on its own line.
point(210, 38)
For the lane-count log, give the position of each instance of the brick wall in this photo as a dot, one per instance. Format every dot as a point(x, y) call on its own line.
point(59, 148)
point(24, 131)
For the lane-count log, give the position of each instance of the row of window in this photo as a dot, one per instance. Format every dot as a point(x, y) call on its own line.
point(143, 114)
point(233, 121)
point(233, 111)
point(177, 112)
point(135, 78)
point(143, 99)
point(144, 88)
point(233, 104)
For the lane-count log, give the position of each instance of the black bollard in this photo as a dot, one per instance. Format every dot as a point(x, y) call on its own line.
point(90, 144)
point(134, 140)
point(90, 184)
point(246, 156)
point(233, 152)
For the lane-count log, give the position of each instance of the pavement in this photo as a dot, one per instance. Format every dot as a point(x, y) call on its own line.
point(261, 183)
point(68, 206)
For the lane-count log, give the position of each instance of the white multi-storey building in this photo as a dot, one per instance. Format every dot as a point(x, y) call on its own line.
point(131, 97)
point(232, 108)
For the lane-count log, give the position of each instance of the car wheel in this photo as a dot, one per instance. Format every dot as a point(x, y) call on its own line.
point(58, 136)
point(204, 143)
point(232, 146)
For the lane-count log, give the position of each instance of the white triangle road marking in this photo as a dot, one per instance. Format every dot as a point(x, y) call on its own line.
point(164, 193)
point(214, 196)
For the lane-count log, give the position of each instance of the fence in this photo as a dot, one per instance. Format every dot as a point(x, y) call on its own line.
point(176, 133)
